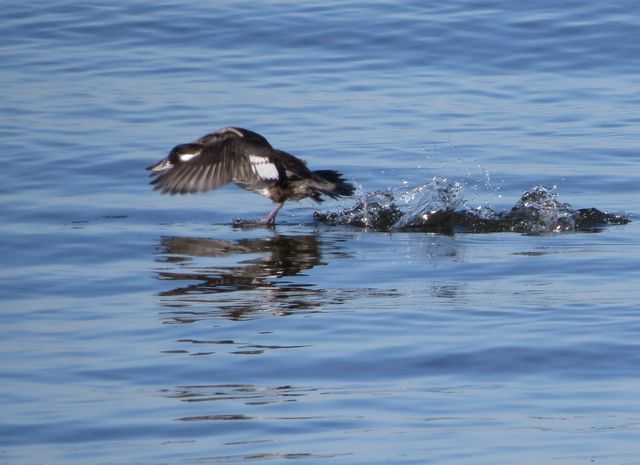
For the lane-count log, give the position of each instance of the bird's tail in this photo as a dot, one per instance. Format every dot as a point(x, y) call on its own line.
point(335, 185)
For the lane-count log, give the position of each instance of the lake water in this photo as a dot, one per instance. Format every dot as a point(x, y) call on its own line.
point(146, 329)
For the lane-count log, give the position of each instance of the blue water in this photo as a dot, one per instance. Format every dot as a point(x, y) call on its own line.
point(147, 329)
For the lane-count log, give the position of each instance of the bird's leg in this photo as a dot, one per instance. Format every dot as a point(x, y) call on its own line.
point(271, 219)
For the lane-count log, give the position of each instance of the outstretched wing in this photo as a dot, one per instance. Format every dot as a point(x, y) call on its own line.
point(217, 165)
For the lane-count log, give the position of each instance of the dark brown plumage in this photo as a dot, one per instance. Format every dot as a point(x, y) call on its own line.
point(247, 159)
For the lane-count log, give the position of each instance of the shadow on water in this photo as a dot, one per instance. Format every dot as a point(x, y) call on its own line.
point(247, 279)
point(254, 276)
point(262, 272)
point(277, 256)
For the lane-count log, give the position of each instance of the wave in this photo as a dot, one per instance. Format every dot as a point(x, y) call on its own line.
point(433, 207)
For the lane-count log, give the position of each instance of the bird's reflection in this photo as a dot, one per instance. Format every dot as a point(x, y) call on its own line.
point(245, 277)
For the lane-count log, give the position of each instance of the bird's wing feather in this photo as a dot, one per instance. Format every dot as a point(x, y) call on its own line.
point(293, 167)
point(217, 165)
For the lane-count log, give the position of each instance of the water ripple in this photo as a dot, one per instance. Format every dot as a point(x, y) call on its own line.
point(141, 330)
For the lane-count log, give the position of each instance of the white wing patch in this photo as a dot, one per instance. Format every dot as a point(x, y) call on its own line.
point(263, 167)
point(188, 156)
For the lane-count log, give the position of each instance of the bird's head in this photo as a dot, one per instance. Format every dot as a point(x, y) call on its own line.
point(179, 154)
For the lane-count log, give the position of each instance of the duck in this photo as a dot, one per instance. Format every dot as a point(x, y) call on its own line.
point(247, 159)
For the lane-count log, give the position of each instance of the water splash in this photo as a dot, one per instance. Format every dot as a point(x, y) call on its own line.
point(373, 210)
point(432, 208)
point(429, 203)
point(539, 211)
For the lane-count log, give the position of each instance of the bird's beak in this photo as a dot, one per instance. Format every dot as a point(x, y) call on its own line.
point(159, 167)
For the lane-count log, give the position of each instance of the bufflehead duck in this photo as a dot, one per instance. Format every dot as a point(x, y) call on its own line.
point(247, 159)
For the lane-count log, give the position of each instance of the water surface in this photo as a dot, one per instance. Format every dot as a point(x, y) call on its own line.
point(145, 329)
